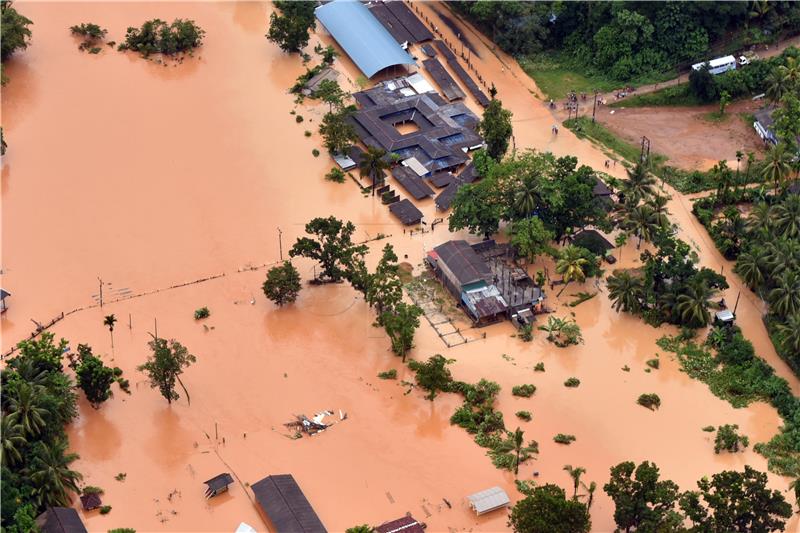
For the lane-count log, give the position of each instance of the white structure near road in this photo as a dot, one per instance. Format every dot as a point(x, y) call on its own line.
point(718, 65)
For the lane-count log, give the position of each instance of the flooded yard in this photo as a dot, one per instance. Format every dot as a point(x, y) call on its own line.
point(133, 176)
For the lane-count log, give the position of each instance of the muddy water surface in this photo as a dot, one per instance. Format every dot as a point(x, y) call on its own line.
point(148, 175)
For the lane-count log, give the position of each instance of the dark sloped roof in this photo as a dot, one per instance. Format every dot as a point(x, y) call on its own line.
point(466, 265)
point(286, 506)
point(407, 524)
point(428, 50)
point(91, 501)
point(442, 179)
point(60, 520)
point(412, 183)
point(490, 306)
point(410, 21)
point(219, 482)
point(469, 174)
point(4, 293)
point(356, 29)
point(390, 22)
point(593, 241)
point(443, 79)
point(406, 211)
point(601, 189)
point(471, 86)
point(446, 197)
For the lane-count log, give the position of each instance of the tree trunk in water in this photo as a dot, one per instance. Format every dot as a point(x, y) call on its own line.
point(188, 399)
point(563, 289)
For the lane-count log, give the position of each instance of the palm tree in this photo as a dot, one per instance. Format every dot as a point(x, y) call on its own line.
point(571, 265)
point(641, 221)
point(589, 493)
point(789, 333)
point(692, 305)
point(109, 322)
point(759, 9)
point(784, 299)
point(658, 205)
point(777, 165)
point(787, 217)
point(24, 405)
point(51, 476)
point(575, 474)
point(515, 445)
point(749, 266)
point(525, 197)
point(626, 291)
point(553, 327)
point(372, 165)
point(639, 185)
point(12, 438)
point(795, 486)
point(777, 86)
point(790, 71)
point(760, 218)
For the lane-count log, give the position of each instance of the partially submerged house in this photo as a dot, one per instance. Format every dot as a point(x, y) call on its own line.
point(285, 506)
point(218, 484)
point(489, 500)
point(763, 125)
point(468, 278)
point(3, 295)
point(60, 520)
point(407, 524)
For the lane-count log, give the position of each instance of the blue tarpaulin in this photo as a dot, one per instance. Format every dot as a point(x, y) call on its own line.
point(371, 47)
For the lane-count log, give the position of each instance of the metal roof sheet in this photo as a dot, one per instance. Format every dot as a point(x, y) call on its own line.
point(371, 47)
point(489, 500)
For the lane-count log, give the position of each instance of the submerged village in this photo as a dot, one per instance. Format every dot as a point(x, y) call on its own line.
point(399, 266)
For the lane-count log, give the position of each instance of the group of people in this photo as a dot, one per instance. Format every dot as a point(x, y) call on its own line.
point(624, 92)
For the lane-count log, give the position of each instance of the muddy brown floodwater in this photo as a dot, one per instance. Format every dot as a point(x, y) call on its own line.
point(146, 176)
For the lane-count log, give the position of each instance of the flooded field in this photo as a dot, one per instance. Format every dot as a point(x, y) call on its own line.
point(146, 176)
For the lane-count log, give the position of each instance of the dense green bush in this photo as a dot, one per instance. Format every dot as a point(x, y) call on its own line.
point(158, 37)
point(525, 391)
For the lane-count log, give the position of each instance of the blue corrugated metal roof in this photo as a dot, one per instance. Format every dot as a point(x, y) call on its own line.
point(362, 36)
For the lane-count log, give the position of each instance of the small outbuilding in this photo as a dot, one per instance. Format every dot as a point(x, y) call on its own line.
point(285, 505)
point(406, 211)
point(91, 501)
point(60, 520)
point(724, 317)
point(3, 295)
point(218, 484)
point(489, 500)
point(407, 524)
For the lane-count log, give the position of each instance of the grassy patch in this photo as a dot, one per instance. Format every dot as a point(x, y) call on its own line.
point(584, 128)
point(556, 76)
point(675, 95)
point(389, 374)
point(561, 438)
point(524, 415)
point(715, 117)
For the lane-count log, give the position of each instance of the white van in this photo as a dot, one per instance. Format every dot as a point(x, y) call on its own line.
point(718, 65)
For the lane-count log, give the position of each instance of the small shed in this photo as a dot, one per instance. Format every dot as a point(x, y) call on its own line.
point(218, 484)
point(725, 317)
point(313, 84)
point(3, 295)
point(489, 500)
point(406, 211)
point(407, 524)
point(60, 520)
point(344, 161)
point(91, 501)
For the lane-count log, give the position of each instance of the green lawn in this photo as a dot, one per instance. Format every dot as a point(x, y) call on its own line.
point(583, 127)
point(556, 78)
point(677, 95)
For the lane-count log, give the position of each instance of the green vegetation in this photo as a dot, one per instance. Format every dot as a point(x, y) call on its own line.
point(122, 530)
point(282, 284)
point(121, 476)
point(92, 35)
point(495, 127)
point(157, 37)
point(336, 175)
point(653, 363)
point(299, 119)
point(546, 509)
point(524, 391)
point(651, 401)
point(94, 378)
point(201, 313)
point(561, 438)
point(562, 331)
point(165, 366)
point(289, 29)
point(15, 31)
point(581, 297)
point(524, 415)
point(364, 528)
point(728, 439)
point(38, 401)
point(433, 375)
point(539, 367)
point(727, 501)
point(333, 247)
point(512, 451)
point(337, 133)
point(709, 429)
point(583, 127)
point(572, 382)
point(388, 374)
point(315, 152)
point(674, 95)
point(526, 333)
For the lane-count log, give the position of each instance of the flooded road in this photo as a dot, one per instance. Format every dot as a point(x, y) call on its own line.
point(146, 176)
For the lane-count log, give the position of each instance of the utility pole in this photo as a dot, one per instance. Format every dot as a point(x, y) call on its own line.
point(737, 303)
point(594, 107)
point(280, 243)
point(101, 291)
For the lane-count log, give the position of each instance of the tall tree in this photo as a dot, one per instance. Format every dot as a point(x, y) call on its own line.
point(639, 185)
point(338, 134)
point(515, 450)
point(433, 374)
point(546, 509)
point(282, 284)
point(330, 92)
point(373, 163)
point(385, 290)
point(290, 28)
point(165, 366)
point(572, 265)
point(643, 501)
point(478, 208)
point(401, 323)
point(736, 502)
point(495, 127)
point(109, 322)
point(626, 291)
point(333, 247)
point(94, 378)
point(530, 238)
point(26, 405)
point(693, 304)
point(777, 165)
point(15, 31)
point(575, 473)
point(13, 439)
point(51, 476)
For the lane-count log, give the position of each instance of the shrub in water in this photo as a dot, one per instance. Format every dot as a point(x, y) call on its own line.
point(524, 415)
point(389, 374)
point(201, 313)
point(572, 382)
point(564, 439)
point(526, 391)
point(651, 401)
